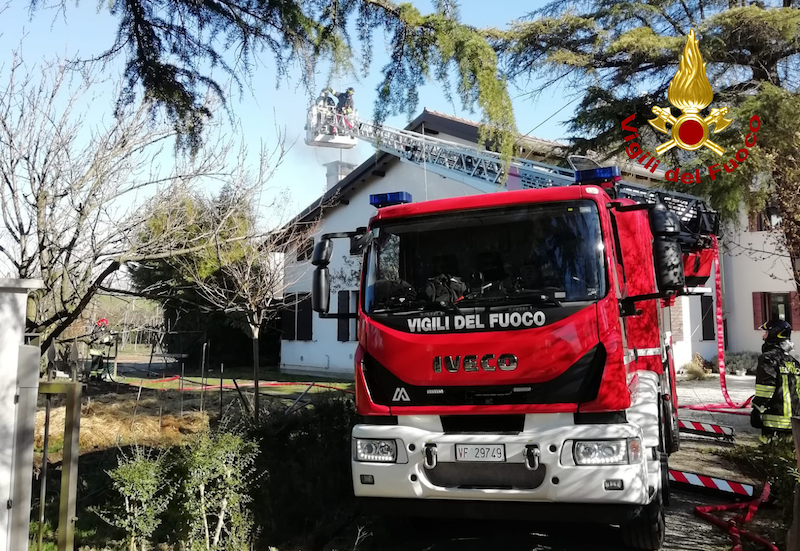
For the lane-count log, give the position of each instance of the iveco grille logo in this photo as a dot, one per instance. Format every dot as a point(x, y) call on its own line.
point(400, 395)
point(487, 362)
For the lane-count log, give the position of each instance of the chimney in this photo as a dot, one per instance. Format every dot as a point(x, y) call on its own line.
point(337, 170)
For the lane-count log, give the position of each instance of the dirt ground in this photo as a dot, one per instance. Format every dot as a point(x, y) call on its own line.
point(685, 531)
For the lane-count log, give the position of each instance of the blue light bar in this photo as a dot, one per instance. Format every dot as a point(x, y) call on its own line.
point(380, 200)
point(598, 175)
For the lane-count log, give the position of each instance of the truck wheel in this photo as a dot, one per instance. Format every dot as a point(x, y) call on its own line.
point(646, 532)
point(669, 426)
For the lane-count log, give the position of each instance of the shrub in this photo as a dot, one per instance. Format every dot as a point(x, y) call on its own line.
point(774, 459)
point(738, 362)
point(306, 488)
point(218, 470)
point(144, 488)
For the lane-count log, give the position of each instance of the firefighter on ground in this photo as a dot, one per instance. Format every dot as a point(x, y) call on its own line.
point(100, 344)
point(777, 381)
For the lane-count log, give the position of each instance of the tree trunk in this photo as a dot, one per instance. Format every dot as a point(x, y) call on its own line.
point(255, 329)
point(793, 537)
point(220, 521)
point(203, 513)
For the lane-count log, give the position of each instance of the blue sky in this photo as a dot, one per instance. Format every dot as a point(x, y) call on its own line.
point(86, 31)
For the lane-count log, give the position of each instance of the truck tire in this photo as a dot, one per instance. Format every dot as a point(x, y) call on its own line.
point(672, 434)
point(646, 532)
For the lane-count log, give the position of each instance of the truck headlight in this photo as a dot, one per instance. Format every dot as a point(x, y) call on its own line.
point(607, 452)
point(382, 451)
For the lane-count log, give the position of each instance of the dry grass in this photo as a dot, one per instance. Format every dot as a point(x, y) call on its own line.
point(111, 417)
point(108, 421)
point(698, 369)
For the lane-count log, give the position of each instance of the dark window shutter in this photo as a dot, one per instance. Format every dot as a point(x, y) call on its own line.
point(354, 322)
point(343, 329)
point(288, 318)
point(758, 310)
point(304, 318)
point(794, 300)
point(707, 309)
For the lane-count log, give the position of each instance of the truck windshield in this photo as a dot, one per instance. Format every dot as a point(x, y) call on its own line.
point(547, 254)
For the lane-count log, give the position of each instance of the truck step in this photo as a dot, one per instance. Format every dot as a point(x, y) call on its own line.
point(694, 482)
point(706, 429)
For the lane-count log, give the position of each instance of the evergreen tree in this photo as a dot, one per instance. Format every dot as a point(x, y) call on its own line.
point(621, 57)
point(171, 48)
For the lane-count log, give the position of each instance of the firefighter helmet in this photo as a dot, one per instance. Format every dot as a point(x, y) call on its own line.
point(777, 330)
point(350, 91)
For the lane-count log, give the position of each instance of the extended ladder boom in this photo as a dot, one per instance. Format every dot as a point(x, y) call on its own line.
point(483, 170)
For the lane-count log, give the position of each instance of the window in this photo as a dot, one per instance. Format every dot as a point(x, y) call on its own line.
point(305, 249)
point(767, 306)
point(709, 318)
point(506, 257)
point(758, 222)
point(778, 307)
point(296, 318)
point(347, 328)
point(765, 220)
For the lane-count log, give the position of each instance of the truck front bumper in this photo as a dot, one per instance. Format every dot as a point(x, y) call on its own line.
point(556, 480)
point(530, 511)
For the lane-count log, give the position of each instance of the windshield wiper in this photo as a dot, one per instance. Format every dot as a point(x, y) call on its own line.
point(398, 308)
point(539, 296)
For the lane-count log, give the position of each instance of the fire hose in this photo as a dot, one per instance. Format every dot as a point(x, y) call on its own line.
point(729, 404)
point(735, 526)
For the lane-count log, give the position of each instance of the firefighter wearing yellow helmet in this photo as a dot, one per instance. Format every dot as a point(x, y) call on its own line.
point(777, 381)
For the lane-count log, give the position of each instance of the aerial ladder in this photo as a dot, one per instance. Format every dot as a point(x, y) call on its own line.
point(483, 170)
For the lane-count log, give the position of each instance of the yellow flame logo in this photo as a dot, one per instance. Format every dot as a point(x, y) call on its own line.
point(690, 91)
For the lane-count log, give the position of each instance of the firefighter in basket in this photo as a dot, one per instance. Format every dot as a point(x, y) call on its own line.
point(344, 109)
point(777, 377)
point(345, 101)
point(326, 107)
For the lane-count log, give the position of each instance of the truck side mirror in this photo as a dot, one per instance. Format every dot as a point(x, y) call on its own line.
point(359, 240)
point(667, 255)
point(322, 253)
point(321, 288)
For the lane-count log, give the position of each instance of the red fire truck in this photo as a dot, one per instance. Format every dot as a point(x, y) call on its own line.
point(514, 358)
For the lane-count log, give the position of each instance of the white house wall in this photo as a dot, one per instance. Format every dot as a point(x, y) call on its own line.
point(748, 271)
point(689, 341)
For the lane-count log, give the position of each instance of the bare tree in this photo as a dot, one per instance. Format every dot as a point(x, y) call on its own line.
point(76, 193)
point(250, 280)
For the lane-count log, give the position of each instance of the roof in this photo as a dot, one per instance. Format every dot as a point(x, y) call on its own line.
point(533, 143)
point(434, 123)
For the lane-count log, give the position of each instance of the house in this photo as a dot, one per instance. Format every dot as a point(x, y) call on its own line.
point(326, 347)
